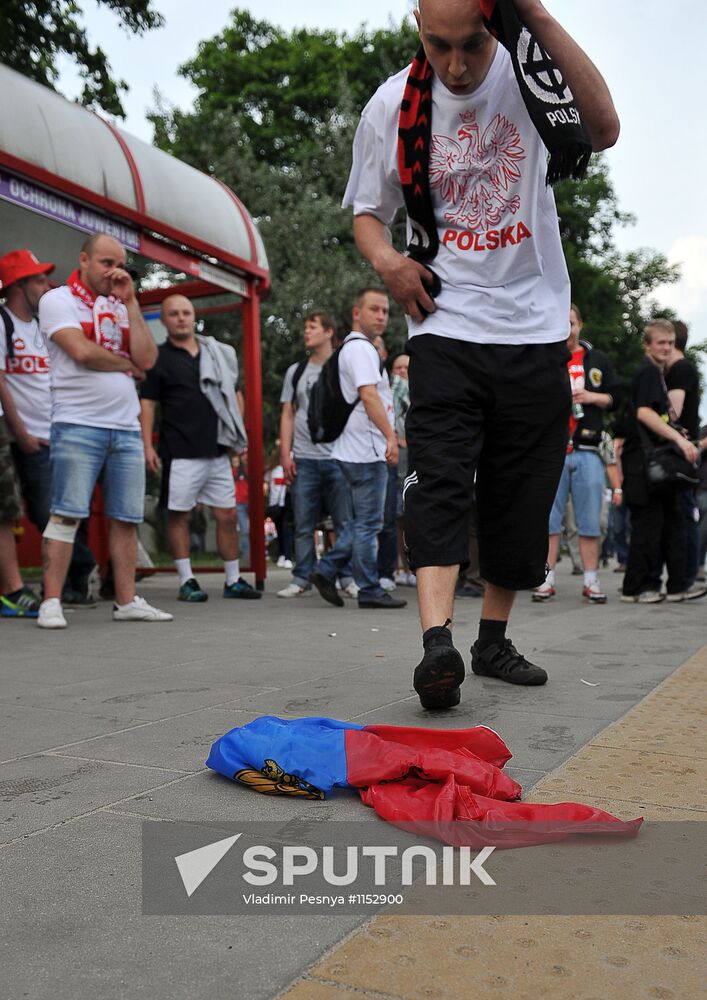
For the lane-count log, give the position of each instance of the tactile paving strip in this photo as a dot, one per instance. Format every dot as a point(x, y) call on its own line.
point(649, 763)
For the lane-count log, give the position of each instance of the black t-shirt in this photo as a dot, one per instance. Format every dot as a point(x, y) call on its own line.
point(188, 421)
point(647, 389)
point(683, 375)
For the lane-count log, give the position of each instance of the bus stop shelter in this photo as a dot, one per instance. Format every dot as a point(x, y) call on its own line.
point(66, 172)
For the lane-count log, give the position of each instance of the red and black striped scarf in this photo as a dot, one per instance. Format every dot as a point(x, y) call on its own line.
point(548, 100)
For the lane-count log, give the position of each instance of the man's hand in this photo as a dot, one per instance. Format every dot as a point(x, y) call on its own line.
point(29, 444)
point(391, 450)
point(289, 467)
point(617, 498)
point(152, 459)
point(137, 373)
point(121, 285)
point(588, 398)
point(688, 449)
point(407, 281)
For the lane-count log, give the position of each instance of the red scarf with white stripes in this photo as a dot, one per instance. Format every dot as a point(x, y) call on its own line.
point(110, 327)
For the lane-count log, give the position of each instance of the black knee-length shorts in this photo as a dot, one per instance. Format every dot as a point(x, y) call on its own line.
point(499, 414)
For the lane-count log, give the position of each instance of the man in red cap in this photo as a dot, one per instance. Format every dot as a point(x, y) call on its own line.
point(16, 600)
point(26, 400)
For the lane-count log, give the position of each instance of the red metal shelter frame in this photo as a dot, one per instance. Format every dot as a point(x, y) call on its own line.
point(183, 251)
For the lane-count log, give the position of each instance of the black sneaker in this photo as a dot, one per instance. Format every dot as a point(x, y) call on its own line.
point(502, 660)
point(440, 672)
point(382, 601)
point(71, 598)
point(327, 589)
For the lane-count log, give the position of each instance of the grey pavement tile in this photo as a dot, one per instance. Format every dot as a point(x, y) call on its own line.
point(213, 798)
point(182, 742)
point(26, 729)
point(151, 695)
point(73, 928)
point(40, 791)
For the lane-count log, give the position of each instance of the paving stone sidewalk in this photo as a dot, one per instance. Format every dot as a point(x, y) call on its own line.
point(107, 724)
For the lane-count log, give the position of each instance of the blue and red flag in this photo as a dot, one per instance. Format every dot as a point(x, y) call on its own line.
point(447, 783)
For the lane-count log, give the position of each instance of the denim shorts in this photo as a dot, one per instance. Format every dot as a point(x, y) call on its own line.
point(583, 479)
point(82, 456)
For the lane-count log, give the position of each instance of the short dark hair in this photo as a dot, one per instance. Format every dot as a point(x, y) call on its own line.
point(325, 318)
point(681, 330)
point(363, 292)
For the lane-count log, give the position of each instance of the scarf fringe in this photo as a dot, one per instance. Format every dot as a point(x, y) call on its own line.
point(571, 162)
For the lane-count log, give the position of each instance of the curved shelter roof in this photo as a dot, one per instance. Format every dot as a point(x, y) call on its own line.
point(68, 146)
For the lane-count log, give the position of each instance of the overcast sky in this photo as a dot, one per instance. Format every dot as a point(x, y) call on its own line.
point(651, 54)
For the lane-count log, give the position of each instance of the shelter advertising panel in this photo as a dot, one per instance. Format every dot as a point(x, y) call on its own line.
point(44, 201)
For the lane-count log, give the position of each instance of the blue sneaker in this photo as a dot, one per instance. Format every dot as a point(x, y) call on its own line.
point(22, 603)
point(241, 590)
point(191, 591)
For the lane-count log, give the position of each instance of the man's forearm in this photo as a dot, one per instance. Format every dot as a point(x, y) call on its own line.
point(373, 241)
point(376, 411)
point(286, 427)
point(653, 422)
point(14, 420)
point(147, 421)
point(143, 350)
point(100, 359)
point(585, 81)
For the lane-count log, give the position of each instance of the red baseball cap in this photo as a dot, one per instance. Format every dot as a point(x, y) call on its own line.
point(18, 264)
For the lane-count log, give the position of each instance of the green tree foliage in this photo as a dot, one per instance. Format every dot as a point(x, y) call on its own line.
point(34, 34)
point(275, 118)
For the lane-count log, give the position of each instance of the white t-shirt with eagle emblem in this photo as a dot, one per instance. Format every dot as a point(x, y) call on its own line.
point(81, 395)
point(500, 260)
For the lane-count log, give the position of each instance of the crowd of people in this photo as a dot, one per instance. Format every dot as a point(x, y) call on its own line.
point(456, 468)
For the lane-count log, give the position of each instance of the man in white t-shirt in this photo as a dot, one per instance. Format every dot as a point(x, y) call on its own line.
point(98, 344)
point(488, 380)
point(26, 399)
point(362, 450)
point(315, 479)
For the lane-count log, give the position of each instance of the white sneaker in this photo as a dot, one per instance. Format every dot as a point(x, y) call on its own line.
point(50, 614)
point(294, 590)
point(350, 590)
point(694, 591)
point(283, 563)
point(651, 597)
point(386, 583)
point(140, 611)
point(412, 580)
point(543, 593)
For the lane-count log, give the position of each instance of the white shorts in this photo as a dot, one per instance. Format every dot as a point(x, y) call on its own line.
point(200, 480)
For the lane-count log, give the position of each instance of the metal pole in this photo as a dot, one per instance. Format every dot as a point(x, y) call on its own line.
point(254, 427)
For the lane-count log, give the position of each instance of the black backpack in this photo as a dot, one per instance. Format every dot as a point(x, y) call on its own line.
point(328, 411)
point(9, 330)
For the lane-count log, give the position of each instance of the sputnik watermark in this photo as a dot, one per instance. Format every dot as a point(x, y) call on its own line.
point(264, 866)
point(339, 868)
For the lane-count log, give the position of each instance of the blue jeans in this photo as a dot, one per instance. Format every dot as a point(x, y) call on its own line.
point(358, 539)
point(688, 507)
point(583, 478)
point(81, 456)
point(319, 485)
point(35, 475)
point(243, 532)
point(388, 540)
